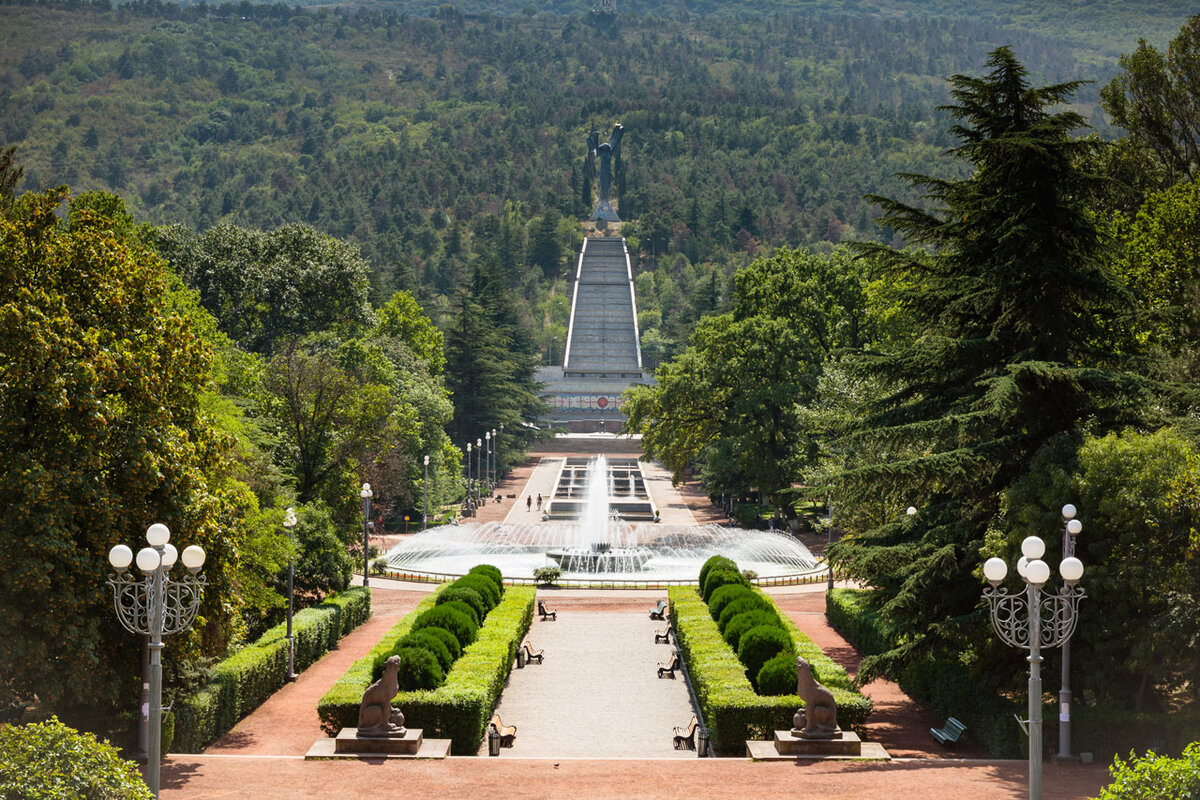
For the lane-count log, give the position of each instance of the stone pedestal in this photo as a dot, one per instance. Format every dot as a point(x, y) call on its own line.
point(348, 741)
point(843, 743)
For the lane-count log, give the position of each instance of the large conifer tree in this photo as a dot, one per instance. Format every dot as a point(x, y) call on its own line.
point(1015, 302)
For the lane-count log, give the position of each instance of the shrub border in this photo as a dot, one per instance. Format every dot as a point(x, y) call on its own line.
point(732, 710)
point(458, 709)
point(242, 682)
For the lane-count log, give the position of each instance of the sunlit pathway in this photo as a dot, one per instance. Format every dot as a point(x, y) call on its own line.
point(541, 480)
point(597, 694)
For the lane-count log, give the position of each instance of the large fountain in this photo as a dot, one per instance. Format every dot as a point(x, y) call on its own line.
point(595, 542)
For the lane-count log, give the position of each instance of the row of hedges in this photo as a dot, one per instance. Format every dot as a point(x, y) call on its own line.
point(945, 686)
point(732, 709)
point(460, 708)
point(438, 636)
point(243, 681)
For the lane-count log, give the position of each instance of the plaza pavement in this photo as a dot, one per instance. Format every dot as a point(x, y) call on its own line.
point(597, 692)
point(598, 677)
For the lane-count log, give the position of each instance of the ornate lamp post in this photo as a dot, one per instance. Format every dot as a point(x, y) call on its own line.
point(487, 461)
point(498, 451)
point(289, 522)
point(366, 494)
point(156, 605)
point(478, 472)
point(1032, 620)
point(468, 471)
point(1071, 529)
point(425, 494)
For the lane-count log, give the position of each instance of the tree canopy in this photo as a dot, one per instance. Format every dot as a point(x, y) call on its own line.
point(1016, 347)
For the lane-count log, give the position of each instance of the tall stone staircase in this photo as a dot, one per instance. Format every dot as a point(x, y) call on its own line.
point(603, 337)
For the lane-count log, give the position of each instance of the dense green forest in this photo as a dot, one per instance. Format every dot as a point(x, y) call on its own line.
point(424, 140)
point(1032, 344)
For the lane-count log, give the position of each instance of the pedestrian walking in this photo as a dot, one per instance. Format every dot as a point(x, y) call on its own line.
point(539, 501)
point(528, 502)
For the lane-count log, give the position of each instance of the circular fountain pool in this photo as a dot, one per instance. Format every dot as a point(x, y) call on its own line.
point(663, 552)
point(598, 546)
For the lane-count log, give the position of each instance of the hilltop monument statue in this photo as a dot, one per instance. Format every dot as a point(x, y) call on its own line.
point(606, 152)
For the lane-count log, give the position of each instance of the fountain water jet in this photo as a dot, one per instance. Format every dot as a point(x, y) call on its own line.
point(595, 551)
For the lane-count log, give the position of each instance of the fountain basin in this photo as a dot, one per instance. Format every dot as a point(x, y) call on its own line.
point(675, 552)
point(600, 559)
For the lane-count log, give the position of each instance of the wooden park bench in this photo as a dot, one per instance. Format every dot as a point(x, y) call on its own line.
point(507, 732)
point(658, 613)
point(669, 667)
point(950, 733)
point(663, 636)
point(547, 613)
point(686, 737)
point(531, 654)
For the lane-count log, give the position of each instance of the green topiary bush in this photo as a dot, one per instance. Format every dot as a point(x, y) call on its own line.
point(751, 601)
point(482, 584)
point(488, 571)
point(466, 609)
point(721, 577)
point(418, 669)
point(726, 595)
point(777, 676)
point(447, 638)
point(452, 619)
point(743, 622)
point(465, 594)
point(427, 639)
point(51, 761)
point(712, 563)
point(759, 645)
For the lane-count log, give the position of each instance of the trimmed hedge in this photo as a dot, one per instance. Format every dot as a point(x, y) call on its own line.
point(426, 639)
point(744, 603)
point(714, 562)
point(725, 596)
point(721, 576)
point(465, 594)
point(242, 682)
point(452, 617)
point(743, 622)
point(759, 645)
point(419, 668)
point(732, 710)
point(460, 708)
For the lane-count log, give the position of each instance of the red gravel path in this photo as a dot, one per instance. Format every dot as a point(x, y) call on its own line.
point(531, 779)
point(287, 724)
point(899, 723)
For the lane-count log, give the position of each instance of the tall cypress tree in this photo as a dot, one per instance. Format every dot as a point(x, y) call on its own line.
point(491, 364)
point(1014, 353)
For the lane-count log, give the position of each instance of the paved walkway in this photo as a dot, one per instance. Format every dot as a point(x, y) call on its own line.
point(540, 480)
point(597, 693)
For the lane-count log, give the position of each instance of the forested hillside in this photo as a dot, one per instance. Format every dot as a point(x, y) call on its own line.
point(409, 135)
